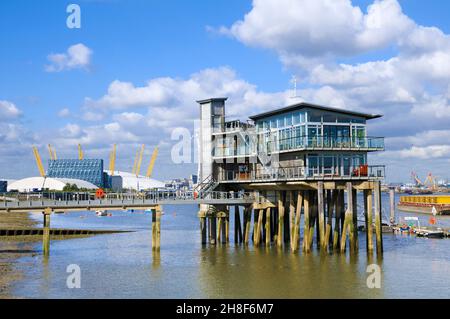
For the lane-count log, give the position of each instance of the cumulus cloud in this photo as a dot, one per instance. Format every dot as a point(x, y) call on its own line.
point(78, 56)
point(65, 112)
point(171, 101)
point(303, 31)
point(8, 111)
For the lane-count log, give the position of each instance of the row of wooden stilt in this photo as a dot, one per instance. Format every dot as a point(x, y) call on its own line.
point(327, 217)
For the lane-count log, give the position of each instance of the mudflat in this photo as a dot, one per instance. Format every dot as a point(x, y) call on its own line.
point(11, 249)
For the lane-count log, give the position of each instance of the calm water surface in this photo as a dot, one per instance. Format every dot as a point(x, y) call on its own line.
point(122, 265)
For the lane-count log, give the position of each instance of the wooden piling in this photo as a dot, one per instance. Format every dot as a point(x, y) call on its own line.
point(156, 228)
point(203, 229)
point(268, 233)
point(321, 214)
point(331, 198)
point(306, 247)
point(213, 229)
point(258, 227)
point(247, 221)
point(355, 246)
point(296, 228)
point(369, 219)
point(227, 227)
point(337, 219)
point(378, 221)
point(280, 220)
point(236, 224)
point(291, 216)
point(46, 232)
point(348, 221)
point(392, 205)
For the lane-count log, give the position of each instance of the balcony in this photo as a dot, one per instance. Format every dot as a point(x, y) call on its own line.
point(232, 127)
point(326, 143)
point(299, 173)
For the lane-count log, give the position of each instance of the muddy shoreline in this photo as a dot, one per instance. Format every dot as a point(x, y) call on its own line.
point(12, 249)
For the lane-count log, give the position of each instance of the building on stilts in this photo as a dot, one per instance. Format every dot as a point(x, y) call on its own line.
point(304, 163)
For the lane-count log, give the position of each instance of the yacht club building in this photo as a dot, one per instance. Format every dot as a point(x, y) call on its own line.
point(300, 159)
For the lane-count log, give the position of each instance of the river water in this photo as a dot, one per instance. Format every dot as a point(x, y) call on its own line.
point(122, 265)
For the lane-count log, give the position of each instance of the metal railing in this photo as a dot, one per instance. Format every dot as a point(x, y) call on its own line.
point(302, 173)
point(86, 198)
point(303, 143)
point(326, 142)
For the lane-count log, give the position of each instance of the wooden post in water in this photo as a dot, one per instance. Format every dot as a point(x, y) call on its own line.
point(258, 227)
point(236, 224)
point(337, 219)
point(227, 226)
point(355, 246)
point(378, 221)
point(369, 219)
point(219, 226)
point(392, 204)
point(296, 228)
point(213, 228)
point(348, 221)
point(247, 221)
point(202, 217)
point(321, 213)
point(306, 247)
point(331, 198)
point(156, 228)
point(46, 233)
point(291, 215)
point(280, 220)
point(268, 234)
point(312, 219)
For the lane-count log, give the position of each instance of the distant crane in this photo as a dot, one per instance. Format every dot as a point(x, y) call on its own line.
point(80, 152)
point(112, 160)
point(430, 181)
point(37, 157)
point(139, 162)
point(152, 162)
point(52, 153)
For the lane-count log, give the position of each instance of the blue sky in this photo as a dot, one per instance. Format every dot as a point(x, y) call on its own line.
point(192, 49)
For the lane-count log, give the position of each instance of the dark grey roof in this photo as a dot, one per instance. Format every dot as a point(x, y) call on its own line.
point(212, 100)
point(302, 105)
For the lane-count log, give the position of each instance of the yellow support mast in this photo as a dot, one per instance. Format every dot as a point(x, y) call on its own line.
point(80, 152)
point(37, 157)
point(141, 154)
point(152, 162)
point(52, 153)
point(112, 160)
point(135, 162)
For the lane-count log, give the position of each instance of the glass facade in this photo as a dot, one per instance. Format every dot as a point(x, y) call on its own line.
point(3, 186)
point(90, 170)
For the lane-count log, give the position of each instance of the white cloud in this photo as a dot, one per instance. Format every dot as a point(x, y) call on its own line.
point(65, 112)
point(8, 111)
point(304, 31)
point(78, 56)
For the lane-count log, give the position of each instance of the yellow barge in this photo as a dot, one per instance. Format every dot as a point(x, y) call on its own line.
point(425, 204)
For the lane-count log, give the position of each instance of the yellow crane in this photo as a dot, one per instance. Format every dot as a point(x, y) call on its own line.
point(52, 153)
point(138, 166)
point(37, 157)
point(112, 160)
point(152, 162)
point(80, 152)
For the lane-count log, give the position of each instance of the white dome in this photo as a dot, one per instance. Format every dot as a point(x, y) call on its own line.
point(130, 181)
point(30, 183)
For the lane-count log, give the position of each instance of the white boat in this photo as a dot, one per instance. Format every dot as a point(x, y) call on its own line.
point(101, 213)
